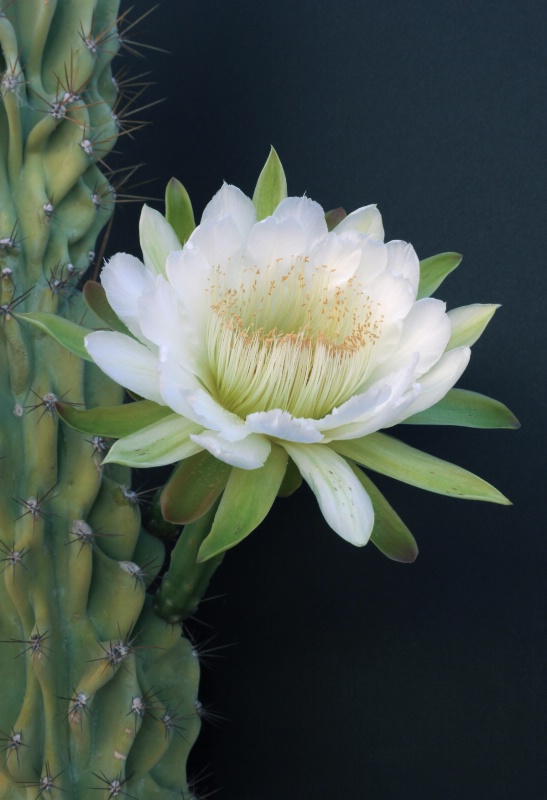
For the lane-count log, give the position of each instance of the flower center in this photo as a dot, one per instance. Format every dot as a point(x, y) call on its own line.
point(289, 337)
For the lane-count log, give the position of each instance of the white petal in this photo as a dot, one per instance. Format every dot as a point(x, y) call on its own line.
point(281, 425)
point(190, 275)
point(340, 255)
point(175, 382)
point(125, 279)
point(365, 220)
point(344, 503)
point(394, 299)
point(219, 241)
point(373, 259)
point(271, 240)
point(249, 453)
point(308, 213)
point(212, 415)
point(127, 362)
point(159, 314)
point(157, 238)
point(372, 410)
point(230, 201)
point(426, 331)
point(182, 392)
point(164, 442)
point(403, 261)
point(435, 384)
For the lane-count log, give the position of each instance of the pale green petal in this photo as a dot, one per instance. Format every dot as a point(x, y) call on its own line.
point(468, 409)
point(271, 187)
point(343, 501)
point(164, 442)
point(391, 457)
point(158, 239)
point(390, 534)
point(247, 498)
point(434, 270)
point(178, 210)
point(468, 323)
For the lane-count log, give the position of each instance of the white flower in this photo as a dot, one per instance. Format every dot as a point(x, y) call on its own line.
point(276, 334)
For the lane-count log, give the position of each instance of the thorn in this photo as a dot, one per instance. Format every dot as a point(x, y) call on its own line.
point(46, 782)
point(114, 785)
point(6, 310)
point(49, 402)
point(35, 643)
point(14, 742)
point(13, 556)
point(34, 505)
point(84, 534)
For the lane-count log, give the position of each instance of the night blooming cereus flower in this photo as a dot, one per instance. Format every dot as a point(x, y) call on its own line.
point(269, 347)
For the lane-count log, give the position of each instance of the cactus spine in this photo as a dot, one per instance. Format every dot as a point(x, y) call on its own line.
point(98, 693)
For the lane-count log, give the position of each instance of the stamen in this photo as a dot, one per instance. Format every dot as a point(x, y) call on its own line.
point(288, 337)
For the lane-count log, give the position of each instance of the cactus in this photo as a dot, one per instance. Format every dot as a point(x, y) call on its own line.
point(98, 692)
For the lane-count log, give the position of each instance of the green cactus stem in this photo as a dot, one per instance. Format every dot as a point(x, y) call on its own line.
point(98, 692)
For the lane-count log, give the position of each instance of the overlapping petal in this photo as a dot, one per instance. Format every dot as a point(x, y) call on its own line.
point(127, 362)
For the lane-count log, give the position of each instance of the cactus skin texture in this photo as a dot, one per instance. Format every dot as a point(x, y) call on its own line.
point(98, 695)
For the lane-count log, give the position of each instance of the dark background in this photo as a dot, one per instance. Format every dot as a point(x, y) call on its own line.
point(352, 676)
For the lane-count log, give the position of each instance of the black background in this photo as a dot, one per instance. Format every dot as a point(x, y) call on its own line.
point(352, 676)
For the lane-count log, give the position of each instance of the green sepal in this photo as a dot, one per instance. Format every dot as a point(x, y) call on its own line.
point(96, 300)
point(292, 480)
point(247, 498)
point(398, 460)
point(434, 270)
point(153, 520)
point(467, 409)
point(185, 581)
point(66, 333)
point(193, 487)
point(113, 422)
point(389, 534)
point(469, 323)
point(334, 217)
point(178, 210)
point(271, 187)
